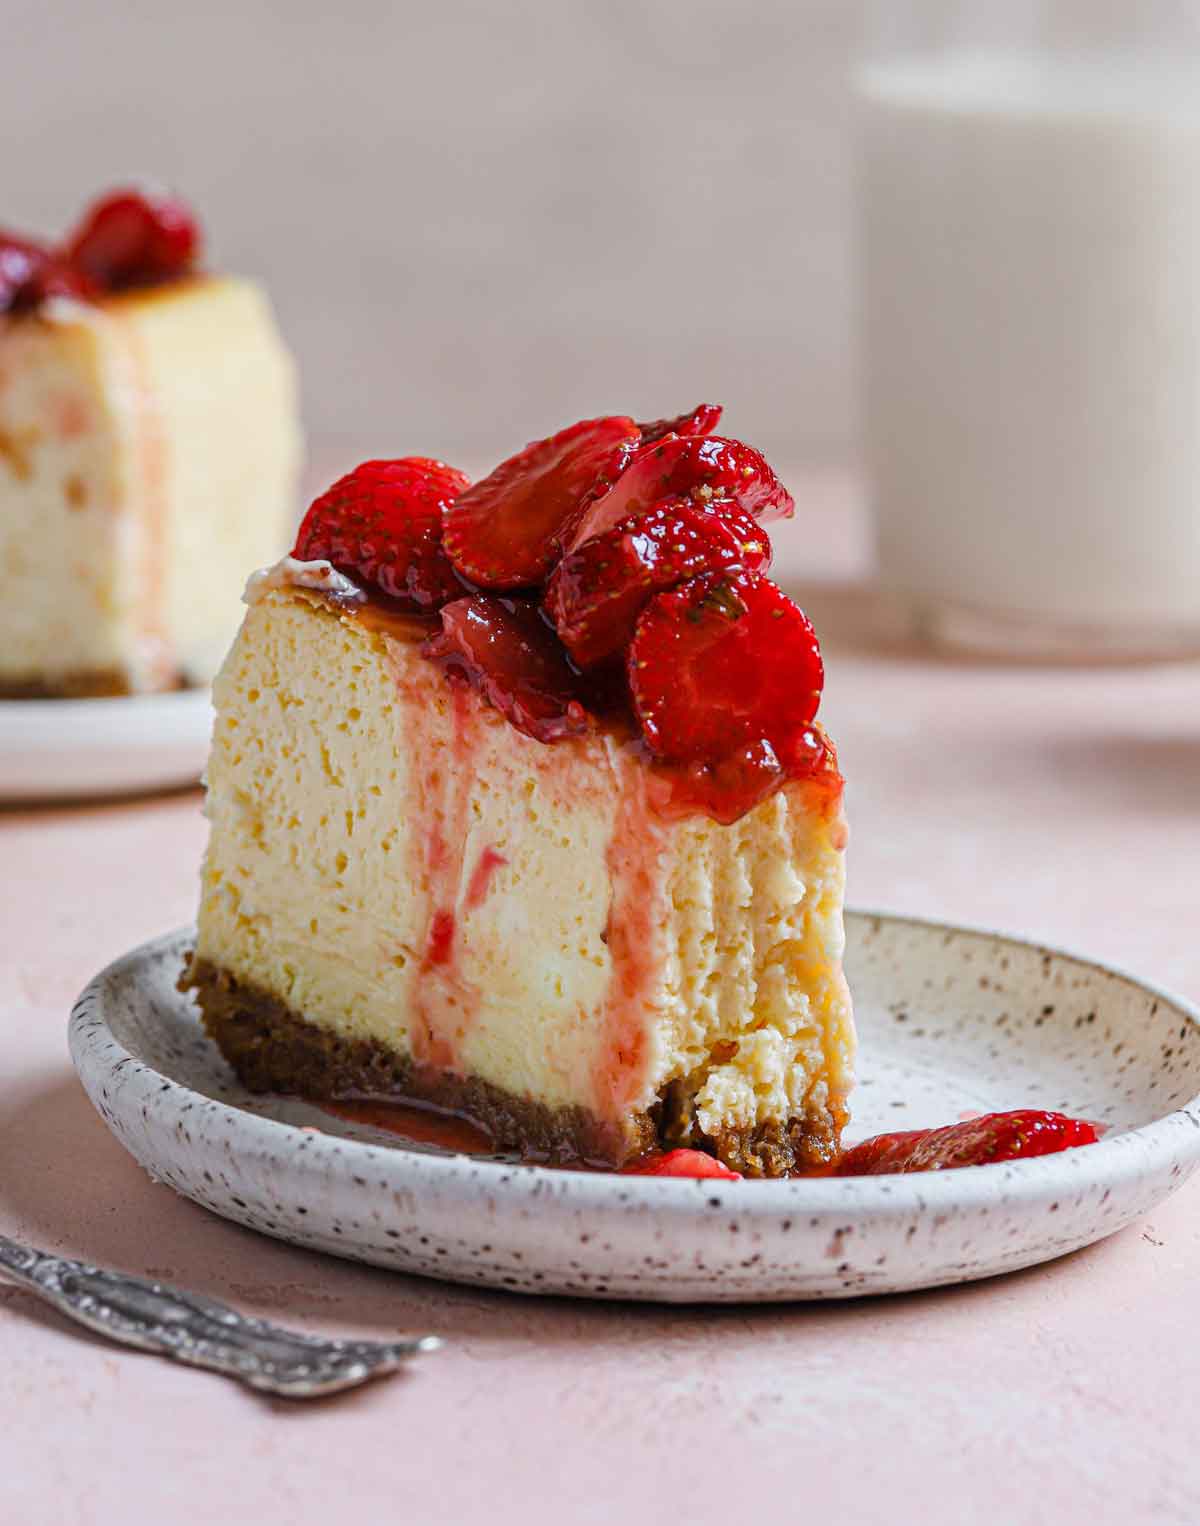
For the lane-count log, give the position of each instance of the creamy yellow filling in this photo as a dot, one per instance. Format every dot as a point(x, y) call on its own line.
point(354, 795)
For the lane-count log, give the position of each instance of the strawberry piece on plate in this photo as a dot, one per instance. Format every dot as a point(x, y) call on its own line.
point(505, 650)
point(723, 661)
point(979, 1141)
point(134, 238)
point(703, 419)
point(709, 469)
point(507, 530)
point(596, 593)
point(693, 1163)
point(381, 524)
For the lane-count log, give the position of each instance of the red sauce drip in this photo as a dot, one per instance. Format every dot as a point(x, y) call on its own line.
point(482, 876)
point(441, 939)
point(420, 1125)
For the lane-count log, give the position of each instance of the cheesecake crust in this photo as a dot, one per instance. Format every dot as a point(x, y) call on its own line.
point(94, 683)
point(274, 1049)
point(90, 683)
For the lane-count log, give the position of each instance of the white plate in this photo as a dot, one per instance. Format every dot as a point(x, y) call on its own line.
point(950, 1020)
point(81, 748)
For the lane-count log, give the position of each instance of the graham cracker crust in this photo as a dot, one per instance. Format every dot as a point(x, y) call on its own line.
point(273, 1049)
point(94, 683)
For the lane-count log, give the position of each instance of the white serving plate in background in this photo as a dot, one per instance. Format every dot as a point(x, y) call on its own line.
point(84, 748)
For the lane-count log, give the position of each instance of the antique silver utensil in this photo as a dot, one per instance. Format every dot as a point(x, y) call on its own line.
point(201, 1331)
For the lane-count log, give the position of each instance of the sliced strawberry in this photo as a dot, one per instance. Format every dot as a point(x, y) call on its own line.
point(134, 238)
point(506, 531)
point(382, 524)
point(721, 662)
point(703, 419)
point(709, 470)
point(596, 593)
point(979, 1141)
point(504, 648)
point(693, 1163)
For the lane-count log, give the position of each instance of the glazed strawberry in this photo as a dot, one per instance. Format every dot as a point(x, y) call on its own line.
point(721, 662)
point(703, 419)
point(134, 238)
point(504, 648)
point(57, 279)
point(596, 593)
point(506, 531)
point(980, 1141)
point(729, 786)
point(708, 469)
point(382, 525)
point(693, 1163)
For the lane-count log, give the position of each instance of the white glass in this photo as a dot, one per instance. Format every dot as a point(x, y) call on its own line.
point(1029, 198)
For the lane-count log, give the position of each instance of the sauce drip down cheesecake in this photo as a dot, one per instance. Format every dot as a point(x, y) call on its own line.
point(519, 809)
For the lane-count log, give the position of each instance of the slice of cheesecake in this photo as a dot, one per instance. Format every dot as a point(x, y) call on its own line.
point(148, 456)
point(448, 865)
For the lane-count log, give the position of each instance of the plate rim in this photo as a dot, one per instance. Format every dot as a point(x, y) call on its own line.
point(1150, 1146)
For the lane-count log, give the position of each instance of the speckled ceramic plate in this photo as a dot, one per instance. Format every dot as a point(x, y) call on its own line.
point(950, 1021)
point(83, 748)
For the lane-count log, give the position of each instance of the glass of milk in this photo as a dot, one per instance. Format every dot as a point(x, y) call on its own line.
point(1029, 198)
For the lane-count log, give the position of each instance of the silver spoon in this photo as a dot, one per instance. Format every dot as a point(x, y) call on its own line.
point(201, 1331)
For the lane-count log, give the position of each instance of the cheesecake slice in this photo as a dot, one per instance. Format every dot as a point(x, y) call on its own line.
point(148, 457)
point(449, 865)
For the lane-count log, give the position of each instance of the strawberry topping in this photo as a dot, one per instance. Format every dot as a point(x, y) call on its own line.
point(648, 561)
point(507, 530)
point(709, 470)
point(382, 525)
point(504, 648)
point(134, 238)
point(596, 593)
point(723, 662)
point(977, 1142)
point(726, 787)
point(30, 273)
point(703, 419)
point(693, 1163)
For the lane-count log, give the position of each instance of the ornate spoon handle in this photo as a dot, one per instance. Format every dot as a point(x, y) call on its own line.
point(200, 1331)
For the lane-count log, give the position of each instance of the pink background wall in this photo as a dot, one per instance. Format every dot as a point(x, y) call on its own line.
point(480, 218)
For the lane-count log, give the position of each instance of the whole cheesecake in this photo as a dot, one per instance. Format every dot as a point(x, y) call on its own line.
point(541, 834)
point(149, 448)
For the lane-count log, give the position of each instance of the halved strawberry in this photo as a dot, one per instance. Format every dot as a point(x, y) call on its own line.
point(976, 1142)
point(693, 1163)
point(506, 531)
point(720, 662)
point(504, 648)
point(382, 524)
point(703, 419)
point(709, 469)
point(133, 238)
point(596, 593)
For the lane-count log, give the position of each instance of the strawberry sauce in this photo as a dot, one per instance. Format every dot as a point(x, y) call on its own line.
point(986, 1139)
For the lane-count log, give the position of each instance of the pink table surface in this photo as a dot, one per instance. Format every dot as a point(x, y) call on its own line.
point(1060, 804)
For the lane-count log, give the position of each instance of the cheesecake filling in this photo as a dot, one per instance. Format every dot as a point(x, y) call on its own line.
point(475, 918)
